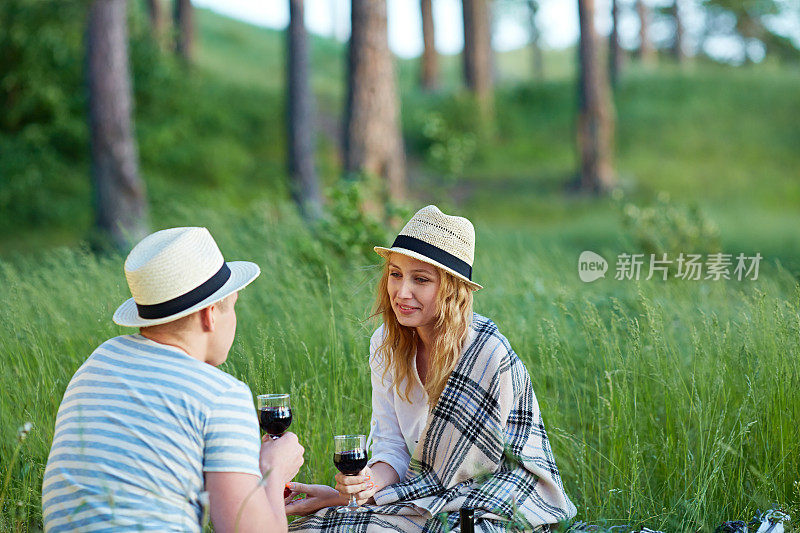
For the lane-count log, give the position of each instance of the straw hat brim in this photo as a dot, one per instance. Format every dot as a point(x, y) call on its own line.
point(384, 252)
point(242, 273)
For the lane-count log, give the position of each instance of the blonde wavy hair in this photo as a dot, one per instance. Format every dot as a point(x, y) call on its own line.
point(453, 317)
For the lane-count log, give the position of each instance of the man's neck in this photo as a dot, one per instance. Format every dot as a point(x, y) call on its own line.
point(175, 341)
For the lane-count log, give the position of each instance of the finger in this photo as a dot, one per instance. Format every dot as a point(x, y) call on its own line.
point(354, 489)
point(368, 492)
point(352, 480)
point(293, 497)
point(298, 508)
point(289, 436)
point(295, 486)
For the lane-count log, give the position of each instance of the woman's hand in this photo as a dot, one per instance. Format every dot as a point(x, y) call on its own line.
point(363, 485)
point(312, 498)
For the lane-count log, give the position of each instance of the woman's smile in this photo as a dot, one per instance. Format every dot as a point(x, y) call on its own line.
point(406, 309)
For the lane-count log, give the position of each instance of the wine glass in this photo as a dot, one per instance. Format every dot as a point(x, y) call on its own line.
point(350, 458)
point(274, 414)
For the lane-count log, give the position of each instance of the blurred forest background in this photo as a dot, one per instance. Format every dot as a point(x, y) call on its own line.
point(300, 152)
point(193, 106)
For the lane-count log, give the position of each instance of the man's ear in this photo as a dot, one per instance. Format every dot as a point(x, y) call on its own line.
point(208, 318)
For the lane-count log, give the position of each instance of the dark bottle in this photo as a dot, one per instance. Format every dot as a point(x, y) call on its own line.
point(275, 420)
point(350, 462)
point(467, 521)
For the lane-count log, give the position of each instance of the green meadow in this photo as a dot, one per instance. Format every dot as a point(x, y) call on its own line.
point(669, 404)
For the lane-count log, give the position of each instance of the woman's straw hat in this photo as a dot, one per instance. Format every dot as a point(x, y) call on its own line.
point(175, 272)
point(444, 241)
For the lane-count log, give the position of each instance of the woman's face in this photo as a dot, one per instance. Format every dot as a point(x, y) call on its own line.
point(413, 286)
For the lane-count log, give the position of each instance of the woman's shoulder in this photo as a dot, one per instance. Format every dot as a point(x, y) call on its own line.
point(484, 330)
point(377, 338)
point(375, 341)
point(485, 336)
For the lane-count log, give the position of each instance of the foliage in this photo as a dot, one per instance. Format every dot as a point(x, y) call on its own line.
point(192, 128)
point(668, 227)
point(42, 101)
point(449, 151)
point(430, 120)
point(349, 228)
point(751, 21)
point(41, 61)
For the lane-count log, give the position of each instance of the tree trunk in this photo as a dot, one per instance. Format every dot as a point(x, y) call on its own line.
point(478, 52)
point(372, 140)
point(614, 49)
point(595, 113)
point(304, 185)
point(647, 54)
point(120, 201)
point(430, 59)
point(184, 20)
point(538, 60)
point(677, 45)
point(158, 21)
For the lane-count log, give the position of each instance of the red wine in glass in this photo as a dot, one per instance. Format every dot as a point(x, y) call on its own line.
point(350, 462)
point(350, 458)
point(275, 420)
point(274, 414)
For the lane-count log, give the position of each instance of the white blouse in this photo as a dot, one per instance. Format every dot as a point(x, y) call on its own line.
point(396, 425)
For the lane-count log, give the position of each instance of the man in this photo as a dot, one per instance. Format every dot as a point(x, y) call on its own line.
point(150, 434)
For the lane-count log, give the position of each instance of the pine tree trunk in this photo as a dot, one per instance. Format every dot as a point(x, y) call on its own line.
point(430, 58)
point(158, 21)
point(677, 45)
point(614, 49)
point(373, 143)
point(120, 202)
point(478, 52)
point(595, 113)
point(538, 60)
point(184, 20)
point(304, 185)
point(647, 54)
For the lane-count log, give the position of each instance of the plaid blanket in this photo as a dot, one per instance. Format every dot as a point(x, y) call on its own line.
point(484, 446)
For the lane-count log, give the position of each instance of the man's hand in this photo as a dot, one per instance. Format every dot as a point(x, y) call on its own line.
point(315, 497)
point(362, 485)
point(281, 457)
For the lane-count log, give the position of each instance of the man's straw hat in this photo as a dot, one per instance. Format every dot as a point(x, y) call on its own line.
point(175, 272)
point(444, 241)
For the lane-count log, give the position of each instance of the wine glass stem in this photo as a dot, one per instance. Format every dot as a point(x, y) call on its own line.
point(353, 503)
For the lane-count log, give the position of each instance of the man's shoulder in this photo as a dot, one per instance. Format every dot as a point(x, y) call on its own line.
point(138, 352)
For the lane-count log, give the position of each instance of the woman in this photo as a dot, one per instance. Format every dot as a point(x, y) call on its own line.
point(455, 422)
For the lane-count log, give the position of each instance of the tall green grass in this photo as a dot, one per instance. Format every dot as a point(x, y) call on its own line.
point(671, 404)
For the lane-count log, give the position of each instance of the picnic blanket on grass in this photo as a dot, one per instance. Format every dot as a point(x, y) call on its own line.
point(484, 446)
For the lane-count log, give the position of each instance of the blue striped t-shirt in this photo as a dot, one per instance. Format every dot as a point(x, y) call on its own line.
point(139, 424)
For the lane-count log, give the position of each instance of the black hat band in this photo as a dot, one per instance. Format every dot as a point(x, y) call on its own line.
point(432, 252)
point(187, 300)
